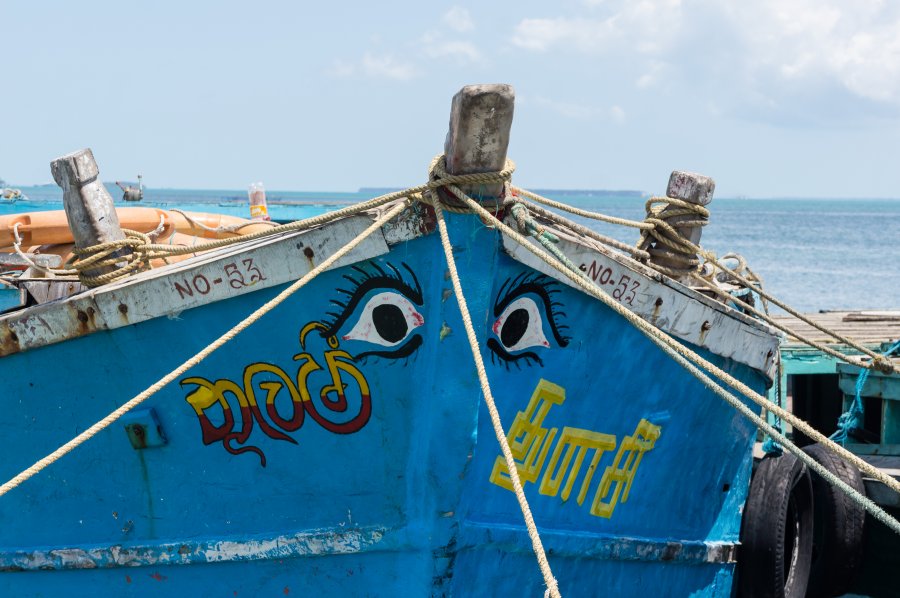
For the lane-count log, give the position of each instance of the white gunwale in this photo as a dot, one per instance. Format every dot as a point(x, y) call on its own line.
point(682, 312)
point(169, 290)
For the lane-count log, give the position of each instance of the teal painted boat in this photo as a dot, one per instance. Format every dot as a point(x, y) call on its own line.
point(341, 445)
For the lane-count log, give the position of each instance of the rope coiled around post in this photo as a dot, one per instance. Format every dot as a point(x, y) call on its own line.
point(690, 360)
point(660, 229)
point(198, 357)
point(531, 527)
point(456, 200)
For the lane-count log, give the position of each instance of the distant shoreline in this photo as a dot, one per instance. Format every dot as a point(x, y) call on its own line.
point(555, 192)
point(50, 192)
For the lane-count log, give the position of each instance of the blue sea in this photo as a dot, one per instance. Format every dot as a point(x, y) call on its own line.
point(815, 254)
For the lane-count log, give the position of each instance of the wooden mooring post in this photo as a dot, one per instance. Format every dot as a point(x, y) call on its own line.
point(480, 121)
point(690, 187)
point(89, 207)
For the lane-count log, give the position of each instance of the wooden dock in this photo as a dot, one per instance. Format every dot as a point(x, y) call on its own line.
point(871, 328)
point(818, 388)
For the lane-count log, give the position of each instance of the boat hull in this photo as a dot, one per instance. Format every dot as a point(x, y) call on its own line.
point(341, 445)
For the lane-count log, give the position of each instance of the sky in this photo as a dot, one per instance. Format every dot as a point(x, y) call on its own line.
point(771, 98)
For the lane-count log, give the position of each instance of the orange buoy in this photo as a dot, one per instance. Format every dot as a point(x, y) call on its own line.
point(52, 228)
point(48, 232)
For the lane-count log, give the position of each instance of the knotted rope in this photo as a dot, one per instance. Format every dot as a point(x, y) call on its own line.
point(677, 253)
point(139, 243)
point(687, 358)
point(530, 526)
point(135, 252)
point(660, 226)
point(199, 356)
point(852, 419)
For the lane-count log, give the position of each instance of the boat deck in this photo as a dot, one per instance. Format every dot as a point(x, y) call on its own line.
point(871, 328)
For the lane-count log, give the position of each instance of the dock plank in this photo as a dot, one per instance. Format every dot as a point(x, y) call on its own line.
point(867, 327)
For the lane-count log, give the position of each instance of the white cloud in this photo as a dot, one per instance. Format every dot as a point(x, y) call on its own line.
point(375, 66)
point(854, 44)
point(768, 51)
point(543, 34)
point(644, 25)
point(461, 51)
point(568, 109)
point(586, 112)
point(435, 45)
point(651, 75)
point(341, 68)
point(458, 19)
point(387, 67)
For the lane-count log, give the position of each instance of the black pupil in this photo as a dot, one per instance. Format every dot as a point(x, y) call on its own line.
point(389, 322)
point(514, 327)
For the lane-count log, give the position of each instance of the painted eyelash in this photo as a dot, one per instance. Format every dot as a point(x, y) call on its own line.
point(408, 349)
point(505, 357)
point(542, 286)
point(379, 279)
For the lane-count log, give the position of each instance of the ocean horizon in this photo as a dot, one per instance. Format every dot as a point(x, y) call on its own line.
point(813, 253)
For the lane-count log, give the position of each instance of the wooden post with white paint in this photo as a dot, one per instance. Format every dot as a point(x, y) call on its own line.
point(480, 120)
point(692, 188)
point(89, 206)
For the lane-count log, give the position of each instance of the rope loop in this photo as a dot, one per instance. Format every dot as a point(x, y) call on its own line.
point(451, 200)
point(127, 255)
point(664, 216)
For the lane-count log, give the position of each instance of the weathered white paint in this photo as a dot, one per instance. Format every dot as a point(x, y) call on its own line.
point(311, 543)
point(49, 289)
point(480, 121)
point(670, 306)
point(187, 284)
point(89, 206)
point(415, 221)
point(14, 260)
point(684, 313)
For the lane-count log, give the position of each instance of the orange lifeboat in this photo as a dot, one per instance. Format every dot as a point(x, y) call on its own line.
point(48, 232)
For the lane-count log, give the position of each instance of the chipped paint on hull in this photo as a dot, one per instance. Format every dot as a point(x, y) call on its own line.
point(202, 280)
point(319, 543)
point(574, 545)
point(667, 304)
point(379, 453)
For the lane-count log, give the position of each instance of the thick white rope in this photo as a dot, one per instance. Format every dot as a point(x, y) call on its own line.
point(17, 247)
point(537, 545)
point(679, 248)
point(684, 357)
point(201, 355)
point(220, 229)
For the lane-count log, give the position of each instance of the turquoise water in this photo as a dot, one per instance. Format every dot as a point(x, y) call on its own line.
point(813, 253)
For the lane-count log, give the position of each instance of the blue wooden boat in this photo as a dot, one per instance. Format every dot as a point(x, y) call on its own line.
point(341, 446)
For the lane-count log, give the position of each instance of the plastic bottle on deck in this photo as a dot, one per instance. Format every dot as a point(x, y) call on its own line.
point(258, 208)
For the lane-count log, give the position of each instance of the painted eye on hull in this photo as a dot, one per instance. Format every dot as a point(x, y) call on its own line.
point(386, 320)
point(527, 314)
point(387, 300)
point(520, 326)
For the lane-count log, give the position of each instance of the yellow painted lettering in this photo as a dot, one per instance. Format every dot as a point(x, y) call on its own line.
point(574, 443)
point(618, 477)
point(529, 441)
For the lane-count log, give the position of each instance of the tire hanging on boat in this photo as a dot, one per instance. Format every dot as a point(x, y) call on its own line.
point(777, 530)
point(837, 529)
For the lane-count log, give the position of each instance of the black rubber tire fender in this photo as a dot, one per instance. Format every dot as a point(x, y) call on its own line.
point(838, 527)
point(777, 530)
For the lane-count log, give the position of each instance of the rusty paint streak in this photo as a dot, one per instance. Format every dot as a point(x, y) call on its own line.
point(704, 330)
point(656, 307)
point(9, 340)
